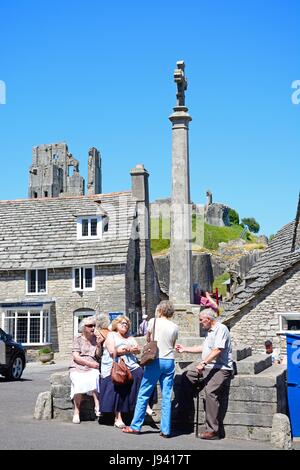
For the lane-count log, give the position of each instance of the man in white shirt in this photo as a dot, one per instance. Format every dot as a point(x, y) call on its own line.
point(215, 371)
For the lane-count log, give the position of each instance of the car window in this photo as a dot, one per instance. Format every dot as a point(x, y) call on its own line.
point(2, 335)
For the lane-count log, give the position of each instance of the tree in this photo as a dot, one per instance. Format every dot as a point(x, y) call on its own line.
point(234, 217)
point(252, 224)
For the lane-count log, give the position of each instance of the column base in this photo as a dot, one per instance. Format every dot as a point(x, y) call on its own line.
point(186, 316)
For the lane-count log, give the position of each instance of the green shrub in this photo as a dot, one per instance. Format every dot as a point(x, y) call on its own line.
point(234, 217)
point(45, 350)
point(253, 226)
point(218, 283)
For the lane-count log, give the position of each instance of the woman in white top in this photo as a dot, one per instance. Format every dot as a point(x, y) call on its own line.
point(162, 369)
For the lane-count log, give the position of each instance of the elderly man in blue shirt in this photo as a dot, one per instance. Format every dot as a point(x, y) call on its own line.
point(213, 373)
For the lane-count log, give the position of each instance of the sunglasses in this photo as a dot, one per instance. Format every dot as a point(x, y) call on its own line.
point(90, 326)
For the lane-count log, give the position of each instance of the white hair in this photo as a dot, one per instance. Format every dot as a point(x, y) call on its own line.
point(209, 313)
point(102, 320)
point(86, 321)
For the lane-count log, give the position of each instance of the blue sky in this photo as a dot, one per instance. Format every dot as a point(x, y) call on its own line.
point(98, 73)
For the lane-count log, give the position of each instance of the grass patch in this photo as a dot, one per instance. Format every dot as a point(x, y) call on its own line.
point(218, 284)
point(160, 234)
point(214, 235)
point(204, 236)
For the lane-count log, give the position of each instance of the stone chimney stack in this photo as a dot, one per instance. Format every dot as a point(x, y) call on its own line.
point(140, 191)
point(148, 284)
point(139, 183)
point(94, 172)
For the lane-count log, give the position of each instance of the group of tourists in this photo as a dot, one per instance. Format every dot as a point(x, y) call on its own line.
point(100, 343)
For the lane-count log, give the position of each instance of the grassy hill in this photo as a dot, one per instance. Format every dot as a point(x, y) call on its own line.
point(160, 235)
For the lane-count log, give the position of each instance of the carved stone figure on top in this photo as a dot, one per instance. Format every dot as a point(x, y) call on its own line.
point(181, 81)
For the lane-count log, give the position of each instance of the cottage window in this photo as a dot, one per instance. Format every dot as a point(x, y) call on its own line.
point(27, 326)
point(36, 281)
point(89, 228)
point(289, 322)
point(84, 278)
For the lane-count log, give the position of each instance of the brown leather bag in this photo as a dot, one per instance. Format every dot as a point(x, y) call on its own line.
point(120, 374)
point(150, 350)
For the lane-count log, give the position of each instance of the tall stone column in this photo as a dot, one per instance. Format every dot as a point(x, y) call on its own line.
point(180, 251)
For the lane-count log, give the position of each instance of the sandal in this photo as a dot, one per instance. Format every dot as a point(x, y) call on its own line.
point(76, 419)
point(119, 425)
point(129, 430)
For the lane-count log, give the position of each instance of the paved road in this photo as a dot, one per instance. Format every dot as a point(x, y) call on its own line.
point(18, 429)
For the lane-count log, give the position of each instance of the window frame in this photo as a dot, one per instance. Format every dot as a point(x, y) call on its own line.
point(84, 289)
point(287, 316)
point(36, 281)
point(44, 314)
point(79, 223)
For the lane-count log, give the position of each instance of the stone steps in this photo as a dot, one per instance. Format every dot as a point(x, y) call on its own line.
point(239, 353)
point(254, 364)
point(257, 433)
point(243, 419)
point(257, 392)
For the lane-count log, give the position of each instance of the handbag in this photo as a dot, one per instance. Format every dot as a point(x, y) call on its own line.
point(120, 374)
point(150, 350)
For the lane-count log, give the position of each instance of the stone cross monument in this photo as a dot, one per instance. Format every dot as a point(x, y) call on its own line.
point(180, 252)
point(180, 289)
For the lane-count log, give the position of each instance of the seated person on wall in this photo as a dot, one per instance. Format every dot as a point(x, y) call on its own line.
point(119, 399)
point(213, 374)
point(84, 369)
point(276, 357)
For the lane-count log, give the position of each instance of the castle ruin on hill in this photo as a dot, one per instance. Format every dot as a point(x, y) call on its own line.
point(49, 174)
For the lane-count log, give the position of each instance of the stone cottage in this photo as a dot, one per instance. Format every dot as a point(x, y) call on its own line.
point(269, 305)
point(63, 258)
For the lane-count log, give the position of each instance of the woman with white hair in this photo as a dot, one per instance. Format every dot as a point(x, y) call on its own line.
point(84, 369)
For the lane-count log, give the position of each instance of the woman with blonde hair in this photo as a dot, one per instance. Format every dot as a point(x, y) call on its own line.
point(119, 398)
point(84, 368)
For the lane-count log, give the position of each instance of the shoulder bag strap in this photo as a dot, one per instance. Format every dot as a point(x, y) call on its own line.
point(153, 333)
point(115, 356)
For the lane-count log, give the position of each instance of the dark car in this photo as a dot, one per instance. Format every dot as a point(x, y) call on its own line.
point(12, 357)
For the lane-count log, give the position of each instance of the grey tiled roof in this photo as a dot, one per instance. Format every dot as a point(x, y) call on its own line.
point(42, 233)
point(277, 258)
